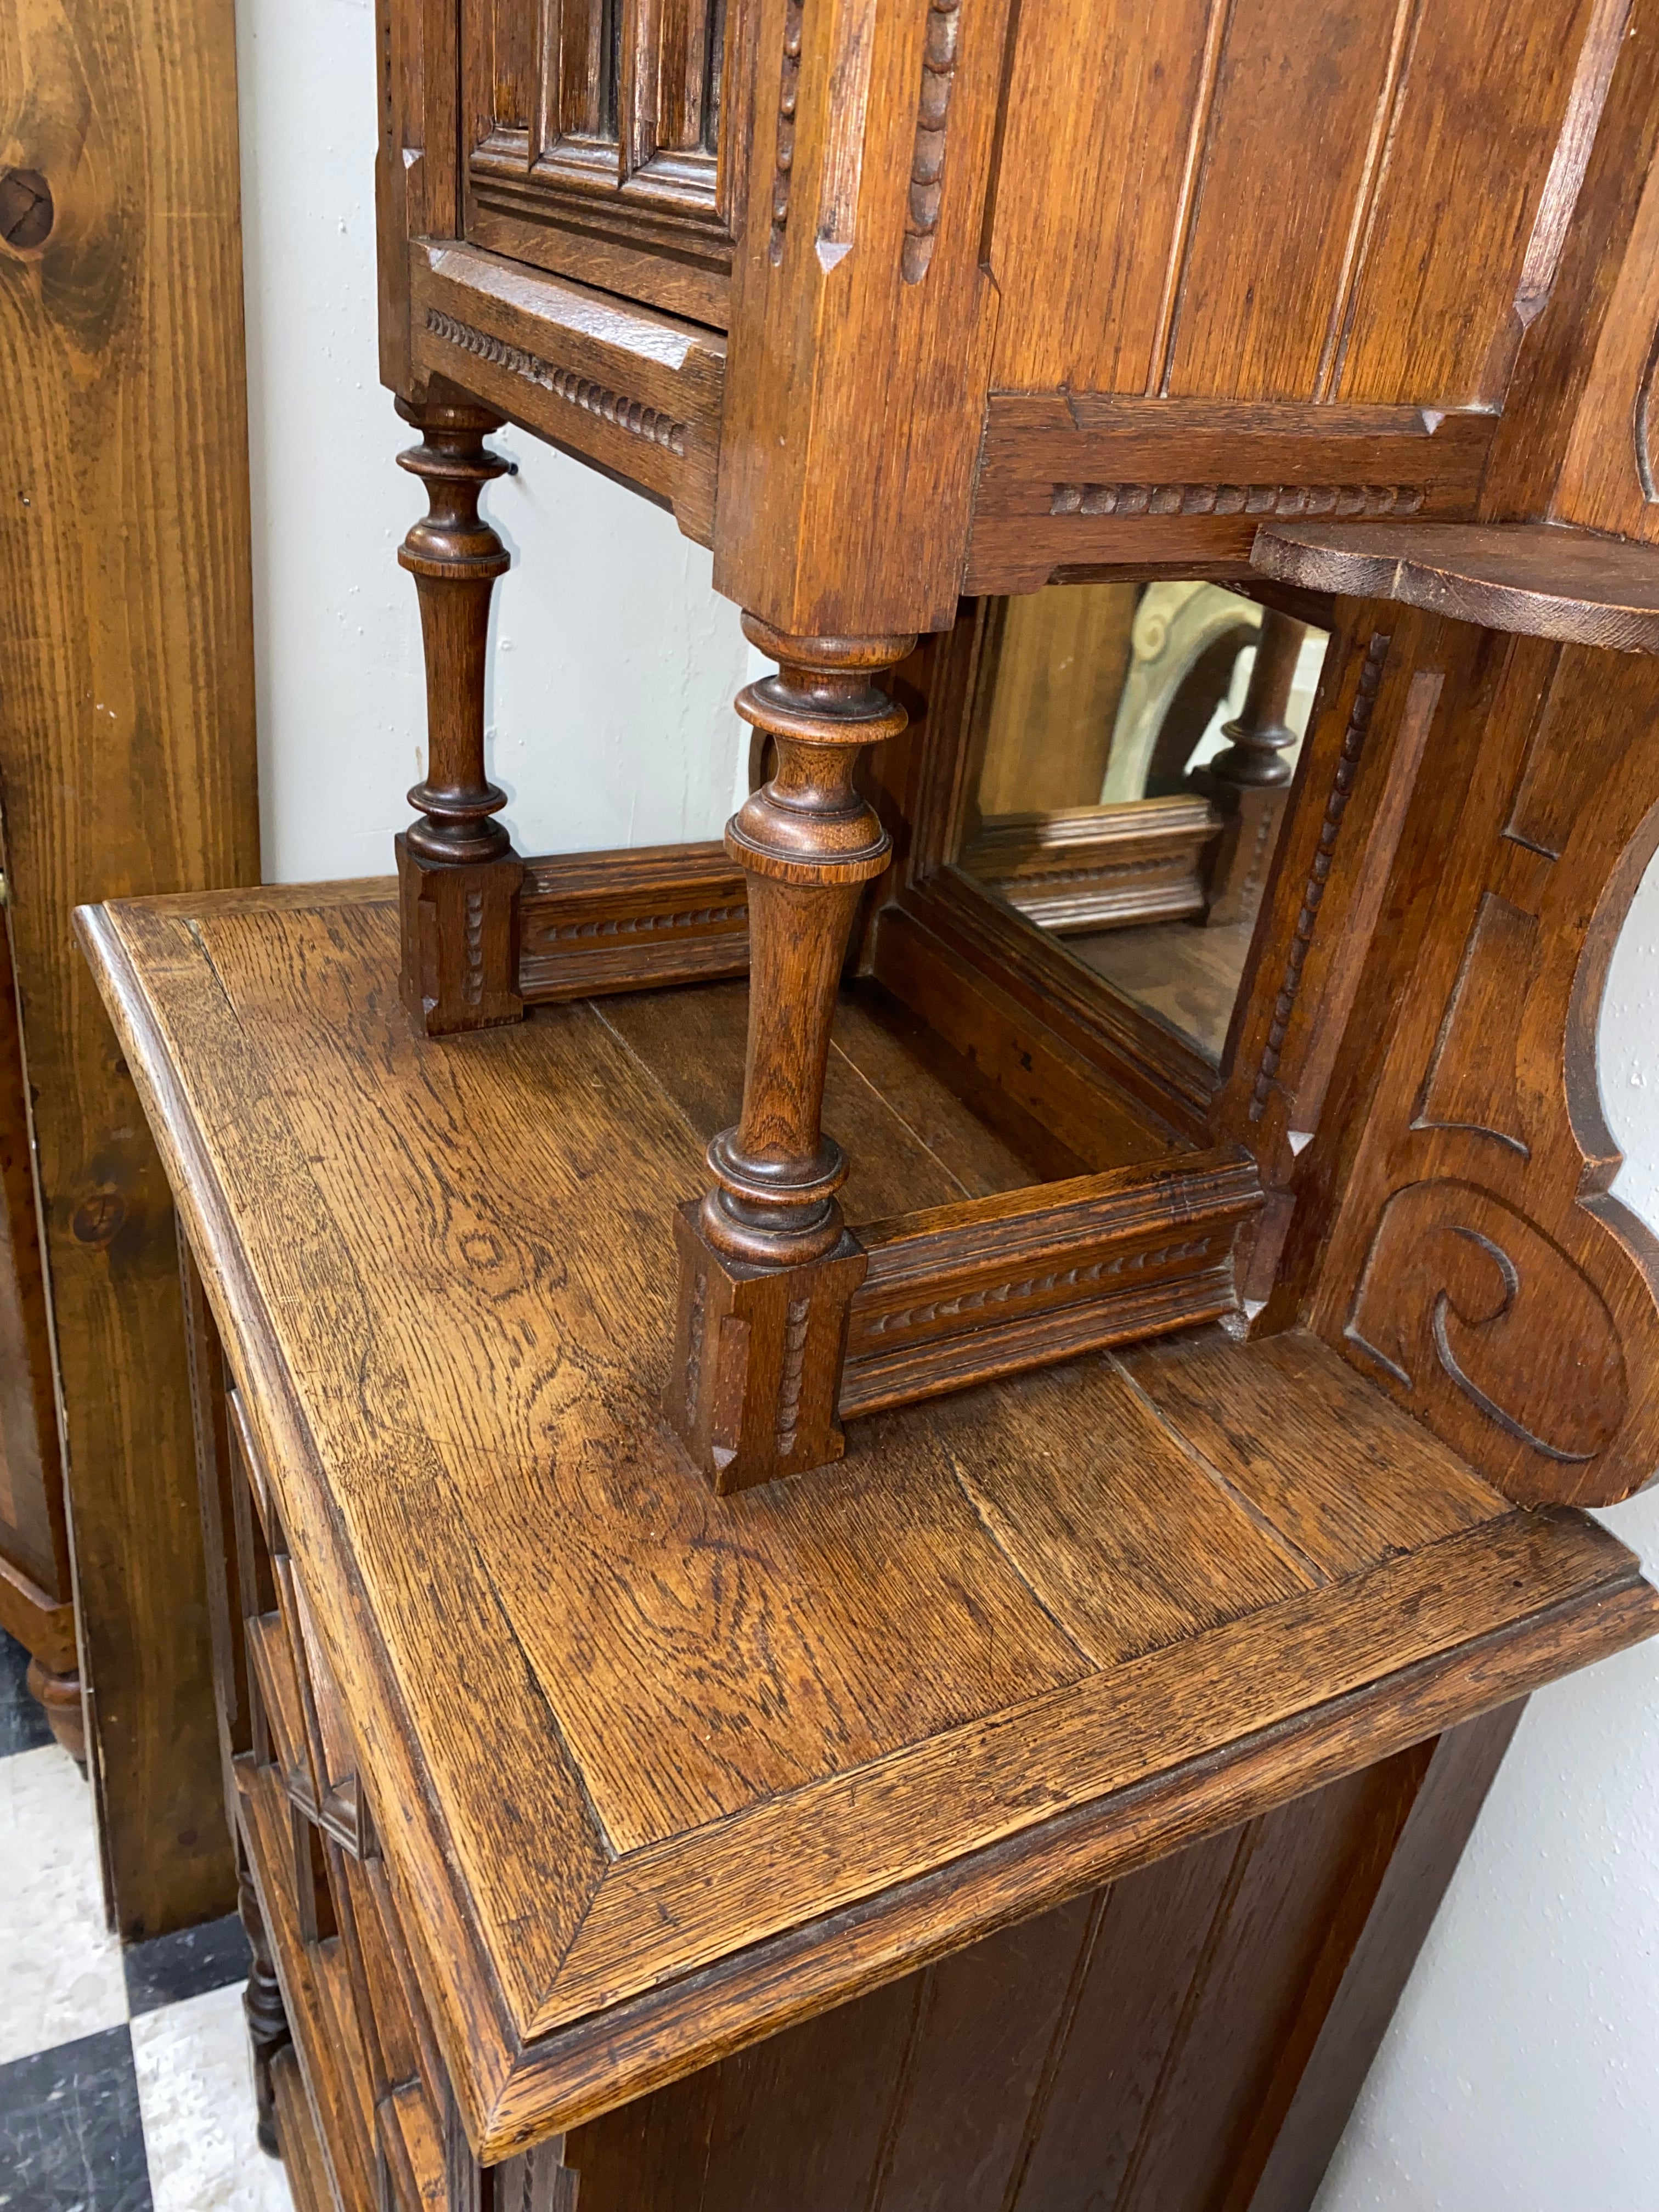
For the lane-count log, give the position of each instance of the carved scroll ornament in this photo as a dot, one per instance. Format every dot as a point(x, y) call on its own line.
point(1499, 1291)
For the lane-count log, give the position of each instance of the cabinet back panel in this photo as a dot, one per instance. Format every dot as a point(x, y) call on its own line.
point(1197, 251)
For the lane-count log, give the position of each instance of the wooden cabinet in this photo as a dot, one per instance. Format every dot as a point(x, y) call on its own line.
point(947, 1662)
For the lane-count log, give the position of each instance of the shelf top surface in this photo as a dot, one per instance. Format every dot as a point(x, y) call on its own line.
point(658, 1770)
point(1536, 579)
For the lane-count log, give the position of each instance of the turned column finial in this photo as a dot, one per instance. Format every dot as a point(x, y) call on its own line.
point(767, 1265)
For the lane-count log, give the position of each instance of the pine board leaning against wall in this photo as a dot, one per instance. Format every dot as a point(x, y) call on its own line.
point(126, 765)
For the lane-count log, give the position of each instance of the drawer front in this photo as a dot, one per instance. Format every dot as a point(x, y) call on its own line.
point(600, 142)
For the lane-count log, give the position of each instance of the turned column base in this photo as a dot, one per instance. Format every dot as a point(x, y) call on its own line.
point(757, 1358)
point(1237, 868)
point(460, 942)
point(59, 1697)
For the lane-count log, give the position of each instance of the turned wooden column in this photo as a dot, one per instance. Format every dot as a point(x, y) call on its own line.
point(59, 1698)
point(767, 1265)
point(1248, 783)
point(458, 873)
point(263, 2008)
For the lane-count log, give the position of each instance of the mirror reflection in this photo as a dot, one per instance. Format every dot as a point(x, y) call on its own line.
point(1134, 745)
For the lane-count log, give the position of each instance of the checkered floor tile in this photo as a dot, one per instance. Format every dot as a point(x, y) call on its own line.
point(124, 2084)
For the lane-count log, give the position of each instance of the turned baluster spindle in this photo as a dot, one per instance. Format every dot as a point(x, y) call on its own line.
point(1247, 781)
point(454, 557)
point(807, 842)
point(458, 875)
point(262, 2006)
point(768, 1267)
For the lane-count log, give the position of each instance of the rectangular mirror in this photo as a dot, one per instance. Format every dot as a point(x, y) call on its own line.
point(1132, 747)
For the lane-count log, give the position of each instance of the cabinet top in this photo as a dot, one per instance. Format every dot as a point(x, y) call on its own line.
point(658, 1772)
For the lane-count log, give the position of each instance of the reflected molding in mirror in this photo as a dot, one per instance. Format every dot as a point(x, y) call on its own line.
point(1131, 750)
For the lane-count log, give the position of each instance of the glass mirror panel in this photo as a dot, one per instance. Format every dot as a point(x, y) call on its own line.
point(1132, 746)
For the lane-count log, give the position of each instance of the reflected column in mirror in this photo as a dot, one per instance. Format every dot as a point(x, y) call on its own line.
point(1133, 748)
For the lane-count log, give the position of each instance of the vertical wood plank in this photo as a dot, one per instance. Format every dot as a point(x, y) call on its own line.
point(126, 756)
point(1436, 312)
point(1251, 319)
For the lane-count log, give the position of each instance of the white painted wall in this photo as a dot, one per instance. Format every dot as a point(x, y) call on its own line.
point(1519, 2074)
point(614, 664)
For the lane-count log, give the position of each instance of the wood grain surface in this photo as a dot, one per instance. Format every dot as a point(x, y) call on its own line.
point(654, 1772)
point(127, 761)
point(1538, 579)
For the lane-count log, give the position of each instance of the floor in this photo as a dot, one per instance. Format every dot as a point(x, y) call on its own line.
point(1186, 974)
point(124, 2084)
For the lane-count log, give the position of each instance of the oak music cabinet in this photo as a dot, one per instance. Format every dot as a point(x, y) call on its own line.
point(951, 1672)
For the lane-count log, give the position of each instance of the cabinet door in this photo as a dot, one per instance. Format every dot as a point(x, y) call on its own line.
point(598, 143)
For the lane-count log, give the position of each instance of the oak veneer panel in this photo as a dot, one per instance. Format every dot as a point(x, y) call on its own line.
point(296, 2132)
point(1131, 1983)
point(1264, 270)
point(332, 2063)
point(911, 1143)
point(1610, 478)
point(1129, 1540)
point(552, 1462)
point(1438, 303)
point(746, 1631)
point(1159, 229)
point(986, 2022)
point(1086, 272)
point(835, 1761)
point(1291, 1433)
point(1526, 578)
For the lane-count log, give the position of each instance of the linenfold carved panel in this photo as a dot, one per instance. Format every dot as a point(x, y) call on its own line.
point(598, 153)
point(1479, 1270)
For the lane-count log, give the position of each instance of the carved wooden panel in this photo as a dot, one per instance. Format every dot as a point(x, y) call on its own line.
point(596, 144)
point(1478, 1269)
point(1401, 266)
point(1073, 479)
point(1610, 480)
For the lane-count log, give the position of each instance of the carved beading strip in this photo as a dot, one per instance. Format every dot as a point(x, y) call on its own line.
point(1032, 879)
point(794, 1368)
point(1368, 501)
point(472, 985)
point(632, 925)
point(694, 1344)
point(1031, 1287)
point(632, 416)
point(939, 71)
point(788, 92)
point(1336, 806)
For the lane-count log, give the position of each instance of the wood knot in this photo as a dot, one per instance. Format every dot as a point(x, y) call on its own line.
point(26, 209)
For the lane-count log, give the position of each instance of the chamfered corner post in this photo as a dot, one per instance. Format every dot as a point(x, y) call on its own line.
point(459, 877)
point(1248, 783)
point(767, 1265)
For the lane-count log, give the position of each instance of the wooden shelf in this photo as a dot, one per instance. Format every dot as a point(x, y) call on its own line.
point(657, 1773)
point(1538, 579)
